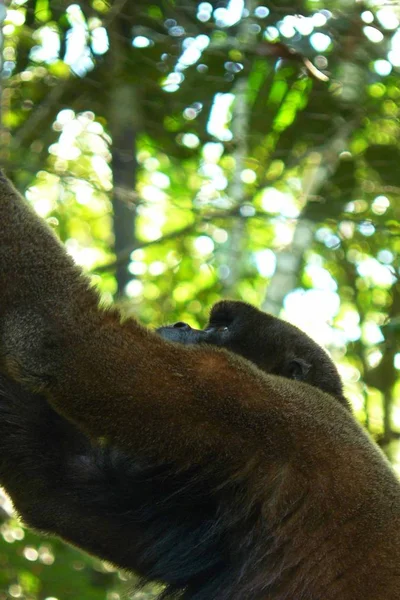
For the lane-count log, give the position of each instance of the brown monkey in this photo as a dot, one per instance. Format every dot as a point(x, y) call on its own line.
point(219, 479)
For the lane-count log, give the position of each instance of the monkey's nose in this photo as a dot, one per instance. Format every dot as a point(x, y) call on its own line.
point(182, 325)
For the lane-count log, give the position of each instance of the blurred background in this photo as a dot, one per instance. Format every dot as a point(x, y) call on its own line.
point(187, 151)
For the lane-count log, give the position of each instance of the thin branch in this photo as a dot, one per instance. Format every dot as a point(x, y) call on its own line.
point(125, 255)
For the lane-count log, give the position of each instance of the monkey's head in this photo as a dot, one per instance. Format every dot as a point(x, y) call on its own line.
point(273, 345)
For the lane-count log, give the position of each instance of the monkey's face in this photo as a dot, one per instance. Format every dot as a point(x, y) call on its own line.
point(273, 345)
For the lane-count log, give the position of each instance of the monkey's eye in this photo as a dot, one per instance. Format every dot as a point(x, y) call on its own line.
point(218, 328)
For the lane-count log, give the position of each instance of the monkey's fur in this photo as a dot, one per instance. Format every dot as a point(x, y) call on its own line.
point(223, 481)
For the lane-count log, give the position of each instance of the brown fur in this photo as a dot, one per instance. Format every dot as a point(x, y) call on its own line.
point(311, 506)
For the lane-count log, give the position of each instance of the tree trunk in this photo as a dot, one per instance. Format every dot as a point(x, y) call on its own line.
point(124, 167)
point(124, 123)
point(232, 253)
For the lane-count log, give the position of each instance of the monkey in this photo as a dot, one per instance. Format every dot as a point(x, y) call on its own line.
point(33, 434)
point(223, 463)
point(273, 345)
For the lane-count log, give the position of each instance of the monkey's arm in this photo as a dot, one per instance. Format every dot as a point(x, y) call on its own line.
point(91, 496)
point(121, 382)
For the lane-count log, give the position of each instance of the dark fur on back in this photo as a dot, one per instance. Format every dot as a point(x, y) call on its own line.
point(204, 532)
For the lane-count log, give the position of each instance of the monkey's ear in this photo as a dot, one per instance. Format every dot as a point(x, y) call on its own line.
point(298, 369)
